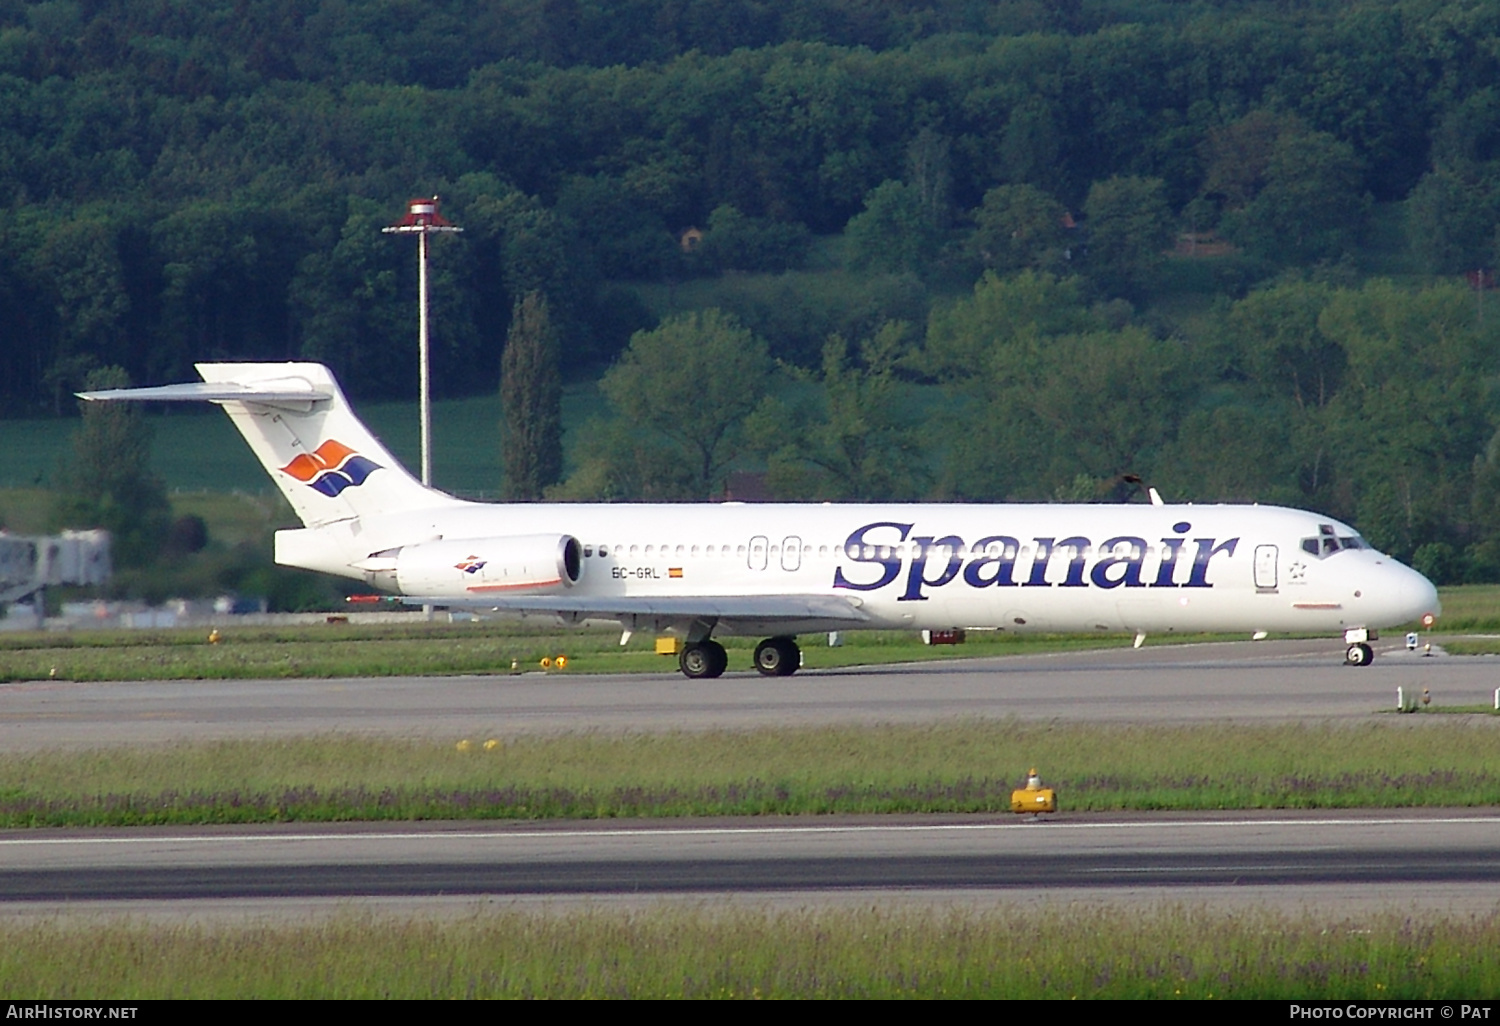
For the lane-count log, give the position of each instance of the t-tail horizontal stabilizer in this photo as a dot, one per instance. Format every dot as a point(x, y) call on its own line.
point(326, 462)
point(289, 393)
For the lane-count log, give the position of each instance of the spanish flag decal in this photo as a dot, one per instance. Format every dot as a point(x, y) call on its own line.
point(674, 571)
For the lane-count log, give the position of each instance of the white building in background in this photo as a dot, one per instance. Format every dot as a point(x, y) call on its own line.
point(31, 564)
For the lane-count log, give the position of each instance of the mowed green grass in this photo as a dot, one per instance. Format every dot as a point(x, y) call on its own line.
point(676, 952)
point(1468, 607)
point(425, 649)
point(950, 768)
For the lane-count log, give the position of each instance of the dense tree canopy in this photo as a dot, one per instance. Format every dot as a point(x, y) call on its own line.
point(1006, 178)
point(681, 394)
point(183, 181)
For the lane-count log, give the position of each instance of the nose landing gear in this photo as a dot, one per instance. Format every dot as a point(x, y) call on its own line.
point(1359, 652)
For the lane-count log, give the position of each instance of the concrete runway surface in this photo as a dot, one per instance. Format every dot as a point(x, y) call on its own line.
point(1436, 861)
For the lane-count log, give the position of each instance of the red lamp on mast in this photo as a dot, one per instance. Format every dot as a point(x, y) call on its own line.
point(423, 217)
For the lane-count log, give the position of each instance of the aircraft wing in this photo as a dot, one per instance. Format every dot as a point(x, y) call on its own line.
point(759, 608)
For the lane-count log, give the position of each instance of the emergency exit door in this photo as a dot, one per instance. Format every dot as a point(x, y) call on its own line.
point(1265, 568)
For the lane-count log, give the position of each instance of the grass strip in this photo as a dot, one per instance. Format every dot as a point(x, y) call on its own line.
point(343, 650)
point(668, 952)
point(1472, 646)
point(952, 768)
point(1470, 607)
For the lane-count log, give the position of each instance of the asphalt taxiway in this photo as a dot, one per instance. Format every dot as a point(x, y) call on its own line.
point(1232, 682)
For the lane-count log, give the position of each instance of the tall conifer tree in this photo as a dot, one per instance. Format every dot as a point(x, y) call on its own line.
point(108, 482)
point(531, 397)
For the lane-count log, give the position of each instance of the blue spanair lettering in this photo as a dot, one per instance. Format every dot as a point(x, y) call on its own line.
point(1130, 575)
point(1039, 561)
point(922, 548)
point(1207, 550)
point(993, 562)
point(1080, 546)
point(1170, 547)
point(854, 548)
point(1005, 562)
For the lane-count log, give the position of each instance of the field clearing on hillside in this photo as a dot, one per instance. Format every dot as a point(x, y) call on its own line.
point(197, 448)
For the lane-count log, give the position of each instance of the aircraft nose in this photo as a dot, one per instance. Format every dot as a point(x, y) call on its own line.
point(1418, 596)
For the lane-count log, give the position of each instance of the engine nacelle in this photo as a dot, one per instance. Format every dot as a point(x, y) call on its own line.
point(476, 567)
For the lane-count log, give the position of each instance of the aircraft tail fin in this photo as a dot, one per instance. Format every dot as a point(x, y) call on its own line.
point(326, 462)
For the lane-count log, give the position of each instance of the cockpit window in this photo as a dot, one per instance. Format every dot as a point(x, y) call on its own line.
point(1327, 542)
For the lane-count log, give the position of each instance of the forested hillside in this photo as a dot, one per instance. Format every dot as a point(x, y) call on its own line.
point(1218, 243)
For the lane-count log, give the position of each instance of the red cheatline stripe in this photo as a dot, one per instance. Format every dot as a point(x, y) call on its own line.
point(509, 587)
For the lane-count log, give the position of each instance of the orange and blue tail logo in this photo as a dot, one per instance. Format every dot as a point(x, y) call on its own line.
point(331, 467)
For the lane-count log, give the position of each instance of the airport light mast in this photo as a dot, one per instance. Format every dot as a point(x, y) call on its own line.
point(422, 219)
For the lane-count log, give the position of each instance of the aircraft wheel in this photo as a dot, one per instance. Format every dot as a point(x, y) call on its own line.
point(704, 660)
point(1359, 655)
point(778, 657)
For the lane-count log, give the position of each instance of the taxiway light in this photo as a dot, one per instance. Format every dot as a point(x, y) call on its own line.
point(465, 745)
point(546, 662)
point(1033, 799)
point(214, 636)
point(561, 662)
point(491, 745)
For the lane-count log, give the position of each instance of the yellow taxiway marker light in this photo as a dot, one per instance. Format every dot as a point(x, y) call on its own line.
point(1033, 798)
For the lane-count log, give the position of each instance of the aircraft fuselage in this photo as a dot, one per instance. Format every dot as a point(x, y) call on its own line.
point(1010, 567)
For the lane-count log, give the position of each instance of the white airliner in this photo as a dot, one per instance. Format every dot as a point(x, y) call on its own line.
point(781, 570)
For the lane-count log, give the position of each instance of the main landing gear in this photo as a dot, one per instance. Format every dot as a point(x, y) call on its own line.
point(778, 657)
point(774, 657)
point(703, 659)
